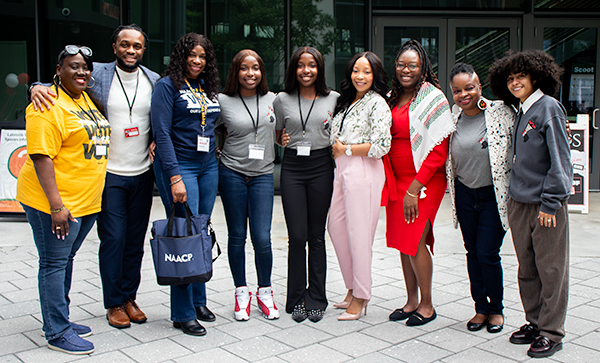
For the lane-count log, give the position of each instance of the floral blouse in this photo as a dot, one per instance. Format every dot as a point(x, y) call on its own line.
point(367, 120)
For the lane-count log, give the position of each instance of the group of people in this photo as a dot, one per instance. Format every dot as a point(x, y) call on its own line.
point(345, 155)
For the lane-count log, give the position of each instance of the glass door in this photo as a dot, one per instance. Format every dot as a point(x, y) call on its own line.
point(389, 33)
point(574, 45)
point(480, 42)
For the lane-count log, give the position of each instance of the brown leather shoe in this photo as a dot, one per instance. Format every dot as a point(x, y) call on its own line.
point(135, 314)
point(117, 317)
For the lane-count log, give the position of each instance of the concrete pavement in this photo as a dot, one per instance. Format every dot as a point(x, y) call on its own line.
point(373, 338)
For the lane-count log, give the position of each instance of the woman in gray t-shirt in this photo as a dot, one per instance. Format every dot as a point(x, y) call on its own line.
point(246, 177)
point(304, 111)
point(478, 170)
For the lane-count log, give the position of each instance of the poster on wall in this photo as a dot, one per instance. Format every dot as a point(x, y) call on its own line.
point(581, 90)
point(579, 199)
point(13, 153)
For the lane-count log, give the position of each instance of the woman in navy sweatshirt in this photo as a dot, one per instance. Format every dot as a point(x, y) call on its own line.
point(540, 185)
point(183, 115)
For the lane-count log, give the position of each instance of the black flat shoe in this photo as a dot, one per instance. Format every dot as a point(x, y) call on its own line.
point(202, 313)
point(400, 314)
point(495, 328)
point(477, 326)
point(315, 315)
point(191, 327)
point(418, 319)
point(299, 314)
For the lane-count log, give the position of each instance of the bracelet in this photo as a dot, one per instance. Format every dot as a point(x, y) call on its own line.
point(176, 181)
point(412, 195)
point(57, 210)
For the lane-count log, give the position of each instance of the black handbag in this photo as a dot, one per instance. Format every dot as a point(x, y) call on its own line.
point(182, 248)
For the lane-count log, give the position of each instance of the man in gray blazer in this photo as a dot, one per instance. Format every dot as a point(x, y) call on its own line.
point(122, 91)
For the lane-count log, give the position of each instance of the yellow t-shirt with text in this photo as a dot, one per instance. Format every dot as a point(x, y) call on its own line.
point(68, 134)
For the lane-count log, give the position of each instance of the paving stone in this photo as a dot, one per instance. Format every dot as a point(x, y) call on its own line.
point(18, 324)
point(15, 343)
point(9, 358)
point(300, 335)
point(577, 353)
point(44, 354)
point(315, 353)
point(214, 338)
point(111, 340)
point(332, 326)
point(451, 339)
point(475, 355)
point(257, 348)
point(375, 357)
point(247, 329)
point(416, 351)
point(356, 344)
point(113, 357)
point(215, 355)
point(156, 351)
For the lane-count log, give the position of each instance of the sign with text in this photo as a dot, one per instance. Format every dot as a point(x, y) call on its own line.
point(579, 199)
point(13, 153)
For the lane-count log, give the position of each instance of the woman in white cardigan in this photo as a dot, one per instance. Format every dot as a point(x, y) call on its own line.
point(478, 172)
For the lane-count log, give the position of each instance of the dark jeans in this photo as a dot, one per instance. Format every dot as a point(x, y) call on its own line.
point(248, 198)
point(201, 181)
point(122, 225)
point(306, 187)
point(482, 231)
point(56, 267)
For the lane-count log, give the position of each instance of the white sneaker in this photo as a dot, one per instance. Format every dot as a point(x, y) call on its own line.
point(242, 303)
point(264, 297)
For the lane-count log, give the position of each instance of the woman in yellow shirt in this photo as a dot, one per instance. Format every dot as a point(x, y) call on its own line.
point(60, 188)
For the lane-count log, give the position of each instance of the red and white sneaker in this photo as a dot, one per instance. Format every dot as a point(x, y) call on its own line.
point(264, 297)
point(242, 303)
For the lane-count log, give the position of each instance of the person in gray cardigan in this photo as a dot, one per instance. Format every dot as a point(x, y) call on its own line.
point(540, 185)
point(478, 173)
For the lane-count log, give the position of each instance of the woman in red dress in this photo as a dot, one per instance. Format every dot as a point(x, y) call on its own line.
point(415, 176)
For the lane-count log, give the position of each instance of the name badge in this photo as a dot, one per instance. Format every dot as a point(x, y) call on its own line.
point(303, 148)
point(101, 150)
point(132, 131)
point(256, 151)
point(203, 143)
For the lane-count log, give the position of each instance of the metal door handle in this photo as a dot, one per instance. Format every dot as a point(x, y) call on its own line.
point(594, 119)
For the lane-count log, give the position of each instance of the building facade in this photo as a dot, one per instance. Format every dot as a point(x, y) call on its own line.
point(473, 31)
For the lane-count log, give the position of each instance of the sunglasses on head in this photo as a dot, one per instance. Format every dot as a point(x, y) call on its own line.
point(74, 49)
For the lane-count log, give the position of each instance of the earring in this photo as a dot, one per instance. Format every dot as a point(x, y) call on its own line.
point(481, 104)
point(54, 79)
point(93, 84)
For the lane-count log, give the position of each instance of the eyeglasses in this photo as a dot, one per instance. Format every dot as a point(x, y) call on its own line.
point(74, 49)
point(410, 66)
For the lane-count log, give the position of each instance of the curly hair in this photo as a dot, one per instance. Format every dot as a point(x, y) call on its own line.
point(426, 72)
point(461, 67)
point(347, 90)
point(232, 87)
point(291, 75)
point(131, 26)
point(545, 73)
point(177, 67)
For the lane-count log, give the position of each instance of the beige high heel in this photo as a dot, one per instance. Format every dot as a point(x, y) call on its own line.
point(347, 316)
point(344, 304)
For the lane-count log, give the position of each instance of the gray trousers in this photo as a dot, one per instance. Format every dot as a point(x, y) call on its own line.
point(543, 255)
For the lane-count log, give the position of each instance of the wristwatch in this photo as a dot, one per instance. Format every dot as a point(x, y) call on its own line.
point(349, 150)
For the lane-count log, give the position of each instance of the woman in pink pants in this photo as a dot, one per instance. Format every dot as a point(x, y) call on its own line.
point(360, 136)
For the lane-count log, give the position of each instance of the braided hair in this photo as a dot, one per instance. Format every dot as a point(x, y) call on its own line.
point(426, 72)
